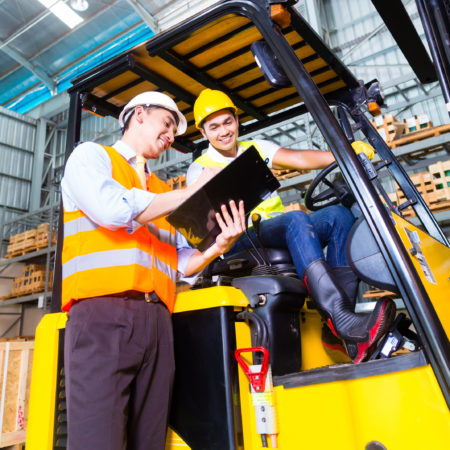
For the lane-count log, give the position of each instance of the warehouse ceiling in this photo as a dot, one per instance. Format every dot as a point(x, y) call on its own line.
point(40, 53)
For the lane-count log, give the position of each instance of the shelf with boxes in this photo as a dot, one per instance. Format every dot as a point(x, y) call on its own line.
point(433, 185)
point(31, 239)
point(398, 132)
point(33, 280)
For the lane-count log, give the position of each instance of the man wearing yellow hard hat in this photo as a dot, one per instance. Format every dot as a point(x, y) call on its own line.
point(330, 280)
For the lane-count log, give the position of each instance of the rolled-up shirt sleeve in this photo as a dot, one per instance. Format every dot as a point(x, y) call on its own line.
point(184, 252)
point(88, 185)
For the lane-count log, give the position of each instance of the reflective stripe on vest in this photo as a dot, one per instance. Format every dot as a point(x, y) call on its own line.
point(111, 258)
point(267, 209)
point(97, 261)
point(79, 225)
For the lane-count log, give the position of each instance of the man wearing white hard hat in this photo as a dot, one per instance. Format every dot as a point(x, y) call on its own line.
point(120, 261)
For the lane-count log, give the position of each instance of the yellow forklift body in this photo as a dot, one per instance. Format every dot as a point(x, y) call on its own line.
point(402, 410)
point(313, 351)
point(431, 260)
point(212, 297)
point(40, 431)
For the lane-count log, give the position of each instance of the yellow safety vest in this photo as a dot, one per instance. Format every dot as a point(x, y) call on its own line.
point(268, 208)
point(97, 261)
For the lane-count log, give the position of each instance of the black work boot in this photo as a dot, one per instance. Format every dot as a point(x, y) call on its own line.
point(360, 333)
point(348, 281)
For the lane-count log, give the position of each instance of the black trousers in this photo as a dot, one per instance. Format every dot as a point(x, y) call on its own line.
point(119, 369)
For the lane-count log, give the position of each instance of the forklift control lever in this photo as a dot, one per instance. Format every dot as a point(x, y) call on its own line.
point(258, 378)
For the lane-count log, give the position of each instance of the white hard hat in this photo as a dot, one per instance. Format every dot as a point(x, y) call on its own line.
point(155, 99)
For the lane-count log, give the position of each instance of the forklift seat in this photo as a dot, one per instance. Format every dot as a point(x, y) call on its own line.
point(245, 263)
point(367, 260)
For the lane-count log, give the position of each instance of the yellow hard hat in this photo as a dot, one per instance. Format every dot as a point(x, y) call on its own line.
point(362, 147)
point(210, 101)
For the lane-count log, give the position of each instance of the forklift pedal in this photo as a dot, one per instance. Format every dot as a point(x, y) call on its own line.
point(399, 337)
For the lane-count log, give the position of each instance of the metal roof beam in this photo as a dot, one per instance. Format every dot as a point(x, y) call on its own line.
point(145, 15)
point(57, 40)
point(194, 72)
point(39, 73)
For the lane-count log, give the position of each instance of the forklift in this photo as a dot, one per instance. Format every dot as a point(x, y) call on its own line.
point(251, 371)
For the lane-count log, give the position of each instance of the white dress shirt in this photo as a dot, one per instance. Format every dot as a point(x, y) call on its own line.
point(88, 186)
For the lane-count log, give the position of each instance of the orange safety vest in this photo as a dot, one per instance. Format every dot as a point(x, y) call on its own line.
point(97, 261)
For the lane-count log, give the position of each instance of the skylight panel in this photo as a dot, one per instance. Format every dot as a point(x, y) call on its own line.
point(63, 12)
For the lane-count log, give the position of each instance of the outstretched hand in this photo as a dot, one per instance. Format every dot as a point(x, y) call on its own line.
point(232, 226)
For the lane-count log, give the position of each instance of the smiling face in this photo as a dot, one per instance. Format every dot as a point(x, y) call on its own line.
point(157, 129)
point(222, 130)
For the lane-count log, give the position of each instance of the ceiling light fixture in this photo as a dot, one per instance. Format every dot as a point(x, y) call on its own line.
point(79, 5)
point(63, 12)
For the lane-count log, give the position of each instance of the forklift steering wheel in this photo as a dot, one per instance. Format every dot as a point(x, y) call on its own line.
point(327, 197)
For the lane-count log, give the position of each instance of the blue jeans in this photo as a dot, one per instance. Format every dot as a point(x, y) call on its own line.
point(306, 235)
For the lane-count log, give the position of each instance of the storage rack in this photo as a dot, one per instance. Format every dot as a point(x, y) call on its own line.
point(44, 256)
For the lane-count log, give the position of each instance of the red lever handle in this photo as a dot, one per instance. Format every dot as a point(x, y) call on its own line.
point(257, 379)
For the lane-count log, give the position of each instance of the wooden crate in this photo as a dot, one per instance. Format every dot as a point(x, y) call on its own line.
point(417, 123)
point(43, 228)
point(295, 207)
point(32, 283)
point(177, 182)
point(441, 177)
point(420, 135)
point(26, 235)
point(43, 237)
point(16, 358)
point(37, 281)
point(20, 286)
point(284, 174)
point(426, 186)
point(21, 243)
point(389, 127)
point(30, 268)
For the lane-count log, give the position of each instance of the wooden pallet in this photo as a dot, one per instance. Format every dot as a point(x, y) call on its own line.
point(420, 135)
point(379, 293)
point(13, 252)
point(16, 359)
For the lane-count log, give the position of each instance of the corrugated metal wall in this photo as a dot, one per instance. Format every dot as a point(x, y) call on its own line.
point(17, 138)
point(356, 33)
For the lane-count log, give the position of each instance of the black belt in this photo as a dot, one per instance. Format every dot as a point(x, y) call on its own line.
point(149, 297)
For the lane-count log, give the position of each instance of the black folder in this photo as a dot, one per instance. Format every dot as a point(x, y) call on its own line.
point(246, 178)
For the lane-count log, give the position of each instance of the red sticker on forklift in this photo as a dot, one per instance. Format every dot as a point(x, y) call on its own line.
point(416, 252)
